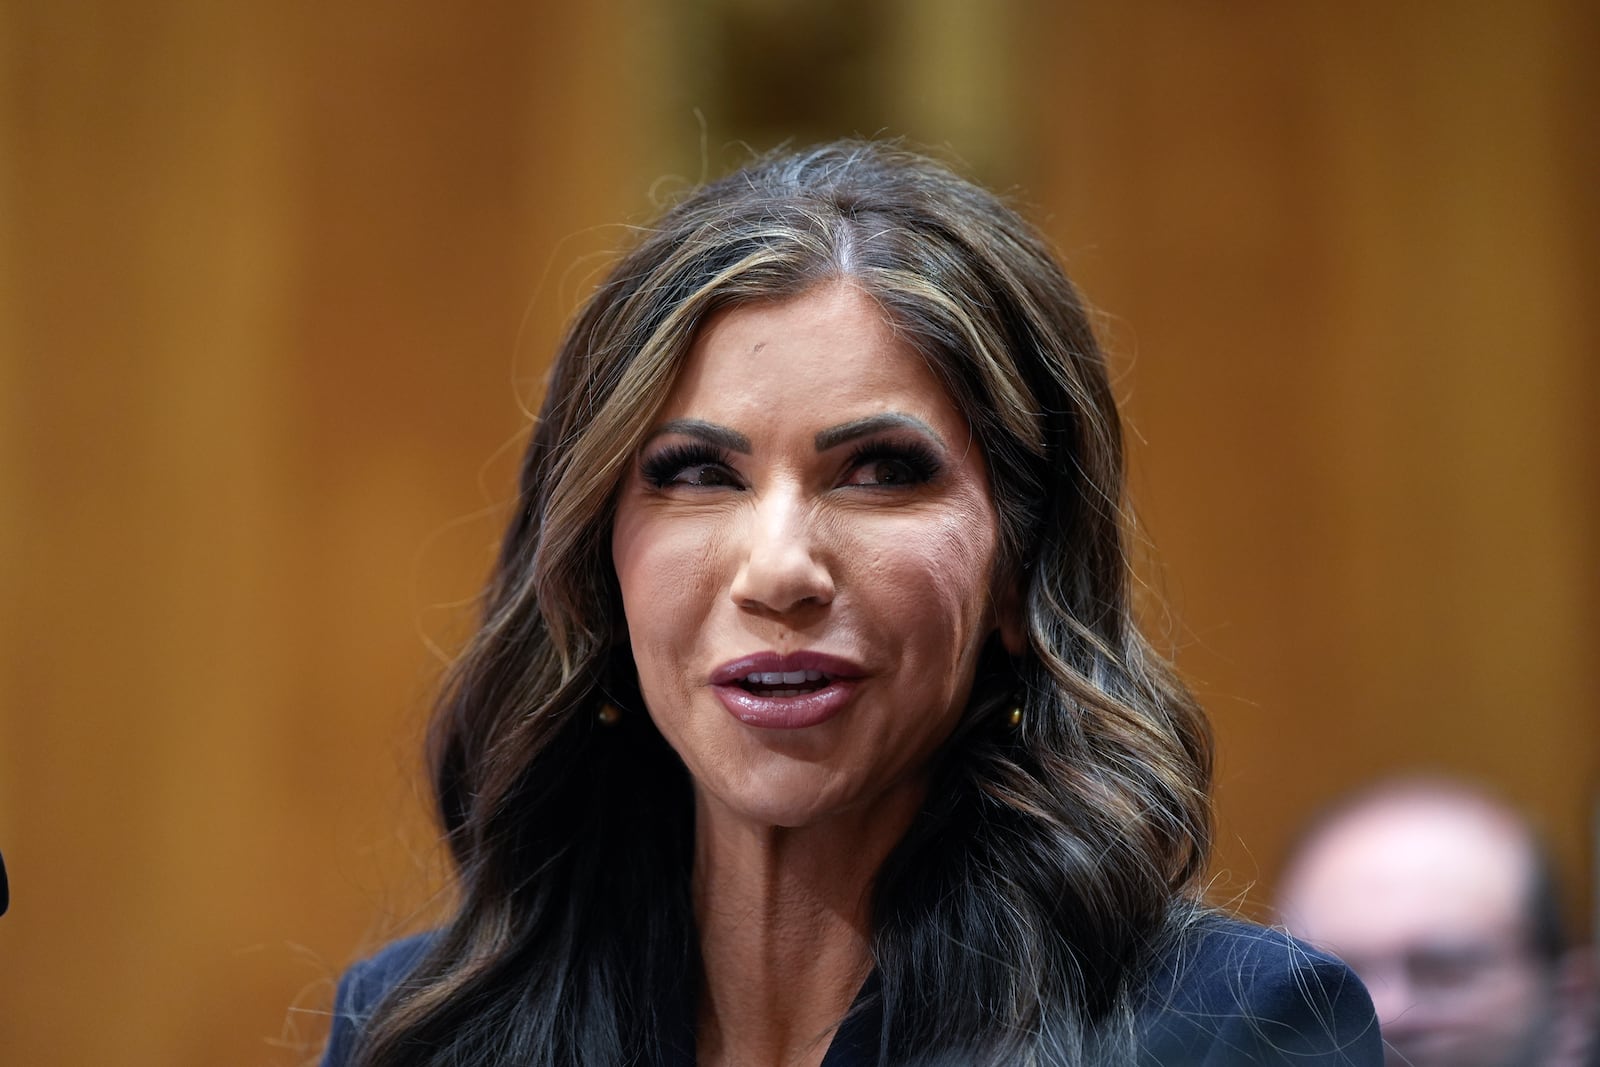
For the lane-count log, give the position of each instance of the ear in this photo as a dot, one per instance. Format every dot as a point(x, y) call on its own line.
point(1576, 980)
point(1010, 619)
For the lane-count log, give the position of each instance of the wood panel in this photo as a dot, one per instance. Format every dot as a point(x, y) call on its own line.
point(1345, 256)
point(274, 283)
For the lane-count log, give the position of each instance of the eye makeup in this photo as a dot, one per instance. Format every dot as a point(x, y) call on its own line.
point(687, 464)
point(895, 463)
point(885, 461)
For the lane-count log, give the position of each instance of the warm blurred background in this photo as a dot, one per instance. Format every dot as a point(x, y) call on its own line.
point(277, 278)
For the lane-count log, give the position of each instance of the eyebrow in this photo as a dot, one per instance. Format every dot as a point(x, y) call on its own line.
point(834, 436)
point(732, 440)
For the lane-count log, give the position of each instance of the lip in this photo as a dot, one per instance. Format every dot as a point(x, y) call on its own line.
point(804, 660)
point(786, 713)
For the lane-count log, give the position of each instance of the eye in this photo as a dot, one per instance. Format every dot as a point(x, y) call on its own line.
point(699, 466)
point(892, 465)
point(1448, 968)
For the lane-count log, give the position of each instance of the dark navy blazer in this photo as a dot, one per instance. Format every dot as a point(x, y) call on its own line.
point(1230, 994)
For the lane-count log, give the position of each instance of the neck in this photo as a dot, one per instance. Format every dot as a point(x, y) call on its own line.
point(784, 917)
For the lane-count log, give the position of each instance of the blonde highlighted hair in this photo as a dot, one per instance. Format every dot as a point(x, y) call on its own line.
point(1012, 923)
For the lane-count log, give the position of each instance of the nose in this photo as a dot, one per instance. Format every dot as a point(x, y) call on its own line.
point(781, 570)
point(1393, 997)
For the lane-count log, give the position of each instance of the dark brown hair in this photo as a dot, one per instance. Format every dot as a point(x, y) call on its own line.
point(1012, 921)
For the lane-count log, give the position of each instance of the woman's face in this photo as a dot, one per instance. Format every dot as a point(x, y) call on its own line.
point(806, 547)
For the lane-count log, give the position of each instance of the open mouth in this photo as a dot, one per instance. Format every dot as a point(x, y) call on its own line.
point(784, 683)
point(796, 691)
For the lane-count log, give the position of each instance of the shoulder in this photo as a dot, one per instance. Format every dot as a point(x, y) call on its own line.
point(1227, 992)
point(362, 988)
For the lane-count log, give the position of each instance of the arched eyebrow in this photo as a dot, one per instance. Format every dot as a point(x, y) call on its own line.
point(732, 440)
point(834, 436)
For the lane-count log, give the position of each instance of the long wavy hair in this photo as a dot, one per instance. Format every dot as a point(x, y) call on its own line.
point(1013, 922)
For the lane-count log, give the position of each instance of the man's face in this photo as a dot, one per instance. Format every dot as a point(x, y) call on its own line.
point(1426, 899)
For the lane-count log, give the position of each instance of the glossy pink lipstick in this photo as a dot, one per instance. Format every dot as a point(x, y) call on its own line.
point(790, 692)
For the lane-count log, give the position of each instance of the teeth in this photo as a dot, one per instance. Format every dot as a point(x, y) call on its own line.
point(783, 677)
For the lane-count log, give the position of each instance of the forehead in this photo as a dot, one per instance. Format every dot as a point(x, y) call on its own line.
point(1411, 873)
point(829, 354)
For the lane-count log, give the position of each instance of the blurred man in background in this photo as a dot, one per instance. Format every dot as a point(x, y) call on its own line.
point(1443, 902)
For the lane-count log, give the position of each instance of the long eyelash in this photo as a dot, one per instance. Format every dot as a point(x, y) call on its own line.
point(661, 468)
point(923, 462)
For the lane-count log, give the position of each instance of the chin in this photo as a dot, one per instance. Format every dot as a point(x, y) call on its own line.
point(793, 794)
point(788, 800)
point(780, 816)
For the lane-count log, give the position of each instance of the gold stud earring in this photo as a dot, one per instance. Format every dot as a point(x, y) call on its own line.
point(608, 715)
point(1015, 718)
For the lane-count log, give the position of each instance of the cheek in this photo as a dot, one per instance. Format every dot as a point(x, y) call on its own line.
point(936, 575)
point(957, 553)
point(667, 576)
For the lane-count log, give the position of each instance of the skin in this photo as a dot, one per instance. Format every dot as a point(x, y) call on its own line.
point(785, 545)
point(1425, 897)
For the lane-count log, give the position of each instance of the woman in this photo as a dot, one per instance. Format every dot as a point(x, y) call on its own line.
point(807, 722)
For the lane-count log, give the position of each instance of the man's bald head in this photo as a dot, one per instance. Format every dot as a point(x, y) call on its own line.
point(1441, 900)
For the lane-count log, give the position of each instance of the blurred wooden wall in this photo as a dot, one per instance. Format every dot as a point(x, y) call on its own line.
point(274, 278)
point(266, 269)
point(1348, 257)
